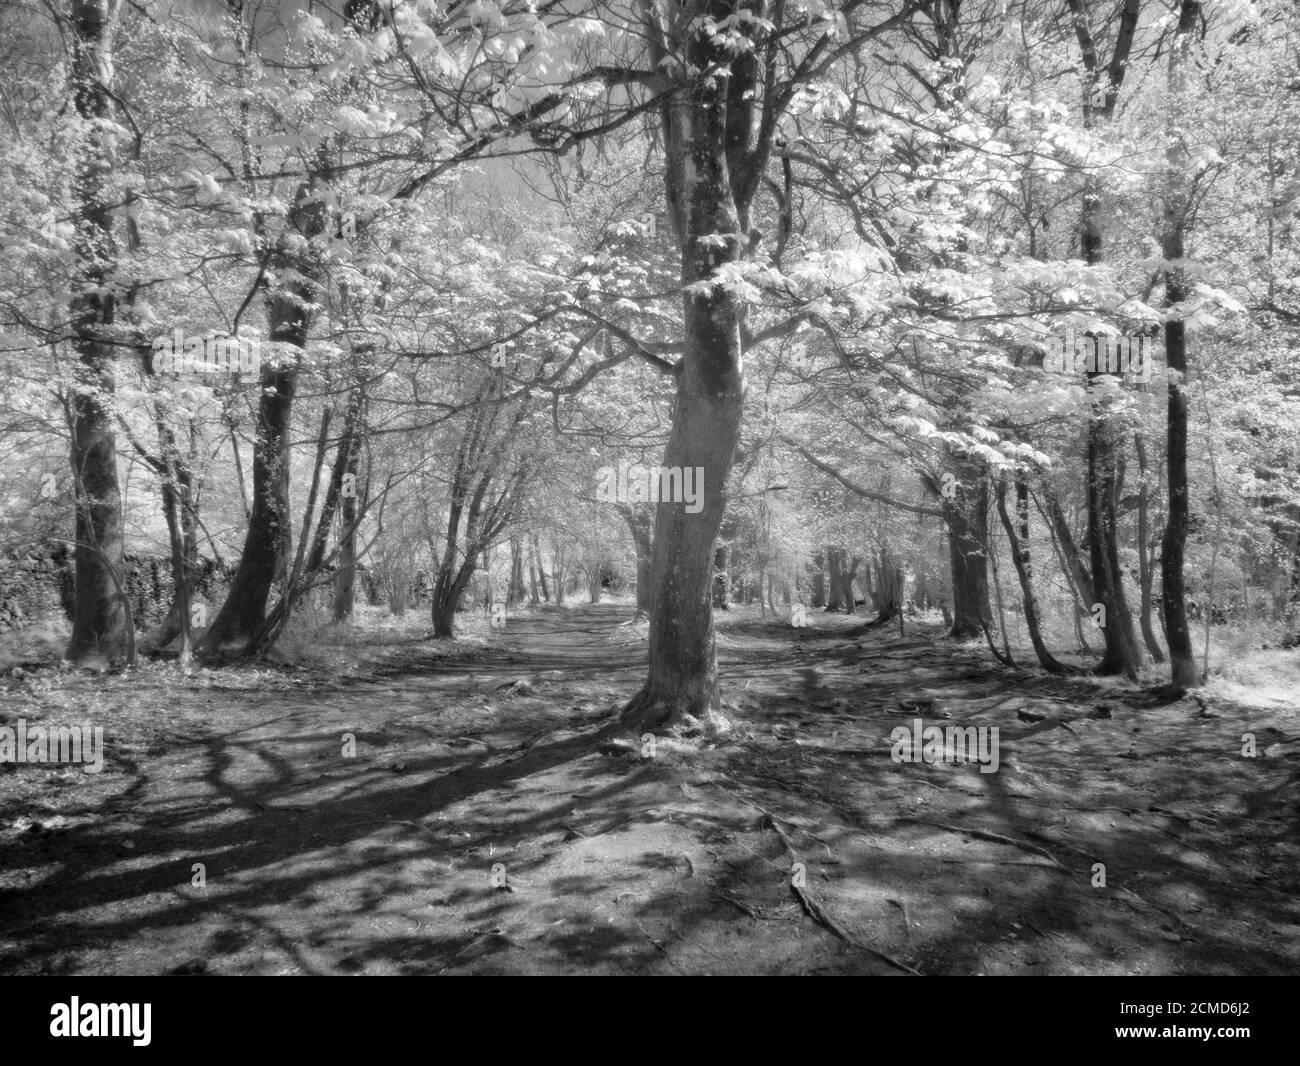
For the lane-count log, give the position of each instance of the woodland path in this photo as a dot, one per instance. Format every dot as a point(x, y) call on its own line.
point(505, 752)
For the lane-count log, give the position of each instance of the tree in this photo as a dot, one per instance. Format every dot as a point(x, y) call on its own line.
point(101, 625)
point(734, 73)
point(1182, 664)
point(1123, 654)
point(488, 477)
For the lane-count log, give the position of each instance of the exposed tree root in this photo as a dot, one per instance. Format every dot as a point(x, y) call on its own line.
point(814, 910)
point(995, 838)
point(810, 905)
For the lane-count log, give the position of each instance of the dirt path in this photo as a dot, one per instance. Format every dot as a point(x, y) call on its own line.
point(491, 820)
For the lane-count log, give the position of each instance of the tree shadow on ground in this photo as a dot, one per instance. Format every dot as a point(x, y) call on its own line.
point(489, 827)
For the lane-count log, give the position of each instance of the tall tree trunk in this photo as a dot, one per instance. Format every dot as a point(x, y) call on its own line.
point(177, 492)
point(308, 564)
point(817, 590)
point(1018, 538)
point(1075, 567)
point(966, 515)
point(448, 591)
point(712, 175)
point(1286, 561)
point(886, 594)
point(1123, 654)
point(345, 577)
point(289, 316)
point(721, 589)
point(397, 596)
point(515, 589)
point(638, 523)
point(485, 516)
point(835, 578)
point(558, 572)
point(447, 596)
point(840, 577)
point(541, 569)
point(101, 622)
point(1146, 569)
point(1183, 672)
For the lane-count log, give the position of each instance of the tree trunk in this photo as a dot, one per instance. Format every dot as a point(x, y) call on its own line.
point(345, 576)
point(835, 579)
point(264, 555)
point(817, 591)
point(1019, 542)
point(886, 594)
point(1184, 674)
point(1075, 567)
point(541, 570)
point(711, 177)
point(476, 468)
point(447, 597)
point(176, 482)
point(1122, 654)
point(101, 623)
point(397, 596)
point(967, 517)
point(841, 575)
point(1146, 574)
point(638, 522)
point(890, 581)
point(558, 575)
point(515, 588)
point(308, 564)
point(267, 542)
point(720, 579)
point(533, 600)
point(345, 579)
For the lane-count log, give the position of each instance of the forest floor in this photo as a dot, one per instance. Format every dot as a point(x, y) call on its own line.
point(492, 820)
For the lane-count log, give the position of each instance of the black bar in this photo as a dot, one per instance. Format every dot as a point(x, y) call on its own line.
point(235, 1017)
